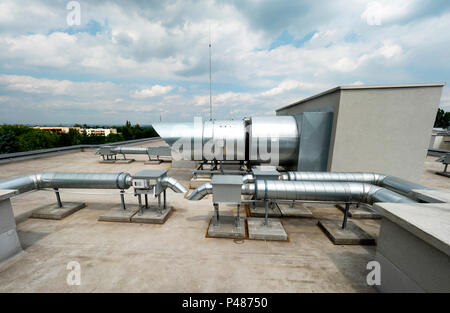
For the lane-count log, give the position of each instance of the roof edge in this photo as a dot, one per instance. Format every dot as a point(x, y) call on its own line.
point(356, 87)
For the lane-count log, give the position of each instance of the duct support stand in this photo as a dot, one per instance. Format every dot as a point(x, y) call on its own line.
point(55, 212)
point(360, 211)
point(259, 210)
point(227, 226)
point(294, 209)
point(351, 234)
point(119, 214)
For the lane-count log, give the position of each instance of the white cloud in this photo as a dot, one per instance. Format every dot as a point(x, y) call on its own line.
point(153, 91)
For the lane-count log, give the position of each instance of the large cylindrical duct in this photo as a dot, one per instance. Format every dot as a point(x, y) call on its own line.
point(312, 191)
point(130, 150)
point(390, 182)
point(270, 136)
point(326, 191)
point(259, 139)
point(68, 180)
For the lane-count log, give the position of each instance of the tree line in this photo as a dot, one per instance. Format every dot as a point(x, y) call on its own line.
point(442, 119)
point(17, 138)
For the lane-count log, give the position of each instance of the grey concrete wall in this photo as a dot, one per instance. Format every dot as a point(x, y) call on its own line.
point(384, 130)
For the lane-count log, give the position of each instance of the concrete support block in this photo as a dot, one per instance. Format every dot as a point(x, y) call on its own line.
point(53, 212)
point(352, 234)
point(118, 214)
point(153, 162)
point(298, 210)
point(363, 212)
point(126, 161)
point(226, 228)
point(152, 216)
point(274, 230)
point(107, 161)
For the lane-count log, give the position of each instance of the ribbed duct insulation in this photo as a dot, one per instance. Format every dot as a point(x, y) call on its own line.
point(390, 182)
point(312, 191)
point(81, 181)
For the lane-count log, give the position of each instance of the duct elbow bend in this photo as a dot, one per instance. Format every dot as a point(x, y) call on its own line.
point(172, 183)
point(201, 192)
point(248, 178)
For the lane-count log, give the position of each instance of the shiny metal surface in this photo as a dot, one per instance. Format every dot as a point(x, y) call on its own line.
point(312, 191)
point(390, 182)
point(200, 192)
point(172, 183)
point(266, 131)
point(80, 180)
point(130, 150)
point(326, 191)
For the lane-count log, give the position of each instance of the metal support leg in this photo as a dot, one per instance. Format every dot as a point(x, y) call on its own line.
point(146, 201)
point(344, 223)
point(141, 211)
point(445, 168)
point(216, 214)
point(293, 204)
point(164, 197)
point(266, 218)
point(238, 217)
point(159, 205)
point(122, 199)
point(58, 198)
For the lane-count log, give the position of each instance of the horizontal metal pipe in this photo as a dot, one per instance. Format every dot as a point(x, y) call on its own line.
point(130, 150)
point(68, 180)
point(326, 191)
point(314, 191)
point(172, 183)
point(390, 182)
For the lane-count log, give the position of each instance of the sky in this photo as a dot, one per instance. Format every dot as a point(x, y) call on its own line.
point(105, 62)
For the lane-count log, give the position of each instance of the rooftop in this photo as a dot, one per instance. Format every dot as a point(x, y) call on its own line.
point(175, 256)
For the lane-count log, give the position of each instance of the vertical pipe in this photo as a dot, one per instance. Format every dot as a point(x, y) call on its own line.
point(140, 204)
point(344, 222)
point(238, 215)
point(164, 194)
point(146, 201)
point(266, 218)
point(216, 214)
point(159, 204)
point(58, 198)
point(122, 199)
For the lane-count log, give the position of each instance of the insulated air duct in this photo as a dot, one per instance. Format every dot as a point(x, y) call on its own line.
point(80, 180)
point(312, 191)
point(390, 182)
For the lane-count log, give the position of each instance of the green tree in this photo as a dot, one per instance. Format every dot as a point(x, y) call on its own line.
point(7, 141)
point(442, 119)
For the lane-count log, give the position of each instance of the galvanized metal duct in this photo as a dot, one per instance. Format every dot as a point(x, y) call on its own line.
point(172, 183)
point(130, 150)
point(68, 180)
point(312, 191)
point(326, 191)
point(80, 180)
point(252, 139)
point(394, 183)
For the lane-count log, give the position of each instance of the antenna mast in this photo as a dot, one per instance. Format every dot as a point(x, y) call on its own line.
point(210, 97)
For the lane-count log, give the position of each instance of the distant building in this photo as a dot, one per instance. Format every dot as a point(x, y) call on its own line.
point(89, 131)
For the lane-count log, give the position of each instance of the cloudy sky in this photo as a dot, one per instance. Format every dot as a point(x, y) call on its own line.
point(142, 60)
